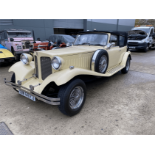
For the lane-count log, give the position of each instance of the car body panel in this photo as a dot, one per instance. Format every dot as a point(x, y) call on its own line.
point(60, 77)
point(5, 54)
point(22, 71)
point(75, 61)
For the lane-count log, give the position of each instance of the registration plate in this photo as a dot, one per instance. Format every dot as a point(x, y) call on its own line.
point(27, 95)
point(1, 60)
point(130, 47)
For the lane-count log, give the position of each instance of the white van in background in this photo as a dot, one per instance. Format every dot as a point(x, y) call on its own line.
point(141, 38)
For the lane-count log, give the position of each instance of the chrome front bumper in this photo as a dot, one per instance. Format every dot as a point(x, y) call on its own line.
point(48, 100)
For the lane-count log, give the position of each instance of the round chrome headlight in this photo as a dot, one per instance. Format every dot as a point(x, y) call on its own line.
point(56, 63)
point(25, 58)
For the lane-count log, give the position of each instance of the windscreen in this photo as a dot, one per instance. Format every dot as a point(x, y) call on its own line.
point(19, 34)
point(91, 39)
point(64, 38)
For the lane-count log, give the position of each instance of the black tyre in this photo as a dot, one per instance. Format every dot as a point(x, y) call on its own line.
point(72, 97)
point(13, 80)
point(127, 67)
point(17, 56)
point(101, 62)
point(146, 49)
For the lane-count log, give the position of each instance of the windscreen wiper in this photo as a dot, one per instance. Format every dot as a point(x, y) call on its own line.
point(97, 44)
point(85, 44)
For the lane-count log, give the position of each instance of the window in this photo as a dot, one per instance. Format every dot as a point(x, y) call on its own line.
point(121, 41)
point(113, 39)
point(91, 39)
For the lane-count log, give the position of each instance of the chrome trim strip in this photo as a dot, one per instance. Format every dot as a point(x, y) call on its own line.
point(20, 82)
point(93, 60)
point(49, 100)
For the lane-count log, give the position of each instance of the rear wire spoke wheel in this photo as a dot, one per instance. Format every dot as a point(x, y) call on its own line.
point(72, 97)
point(127, 67)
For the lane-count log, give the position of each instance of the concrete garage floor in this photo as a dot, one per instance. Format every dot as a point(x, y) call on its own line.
point(122, 104)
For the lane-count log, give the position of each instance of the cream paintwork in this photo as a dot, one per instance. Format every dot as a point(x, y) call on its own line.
point(77, 56)
point(59, 78)
point(22, 71)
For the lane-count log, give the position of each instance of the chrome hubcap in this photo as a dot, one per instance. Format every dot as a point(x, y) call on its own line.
point(103, 64)
point(76, 97)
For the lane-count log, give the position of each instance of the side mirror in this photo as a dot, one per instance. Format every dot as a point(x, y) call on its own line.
point(109, 45)
point(11, 39)
point(153, 35)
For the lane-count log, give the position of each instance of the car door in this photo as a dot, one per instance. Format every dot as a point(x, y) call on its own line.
point(122, 48)
point(114, 52)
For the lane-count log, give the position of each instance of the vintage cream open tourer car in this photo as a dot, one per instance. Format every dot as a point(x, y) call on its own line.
point(58, 77)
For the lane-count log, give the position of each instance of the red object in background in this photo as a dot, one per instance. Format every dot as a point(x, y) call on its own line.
point(62, 45)
point(45, 46)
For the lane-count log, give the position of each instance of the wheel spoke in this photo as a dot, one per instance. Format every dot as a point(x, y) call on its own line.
point(76, 97)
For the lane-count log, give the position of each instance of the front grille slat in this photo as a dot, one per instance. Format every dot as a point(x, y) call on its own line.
point(46, 68)
point(132, 43)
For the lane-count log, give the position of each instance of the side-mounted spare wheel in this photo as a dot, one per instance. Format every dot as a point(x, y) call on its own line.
point(100, 61)
point(72, 97)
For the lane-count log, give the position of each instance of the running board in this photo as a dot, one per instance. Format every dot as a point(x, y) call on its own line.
point(114, 70)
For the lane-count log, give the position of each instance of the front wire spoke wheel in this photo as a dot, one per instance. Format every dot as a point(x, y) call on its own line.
point(76, 97)
point(72, 97)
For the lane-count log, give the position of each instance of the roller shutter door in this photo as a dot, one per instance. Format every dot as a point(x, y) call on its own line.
point(6, 22)
point(68, 23)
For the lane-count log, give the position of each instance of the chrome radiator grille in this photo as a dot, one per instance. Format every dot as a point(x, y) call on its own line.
point(46, 68)
point(36, 66)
